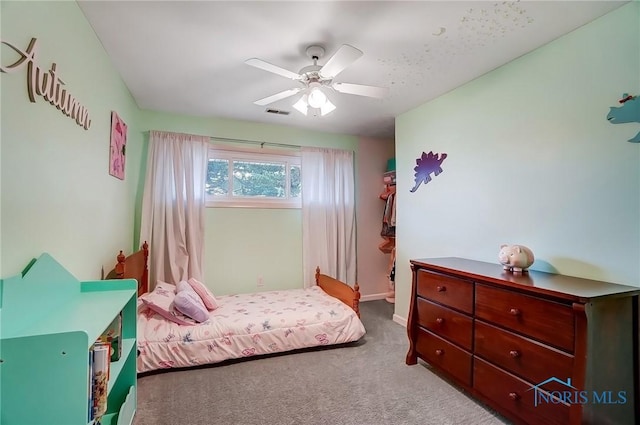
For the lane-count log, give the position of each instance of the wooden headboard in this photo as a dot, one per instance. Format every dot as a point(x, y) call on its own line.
point(340, 290)
point(135, 266)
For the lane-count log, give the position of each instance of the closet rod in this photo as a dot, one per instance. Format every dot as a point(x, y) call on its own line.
point(255, 142)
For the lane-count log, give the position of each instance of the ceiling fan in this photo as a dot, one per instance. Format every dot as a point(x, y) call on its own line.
point(316, 79)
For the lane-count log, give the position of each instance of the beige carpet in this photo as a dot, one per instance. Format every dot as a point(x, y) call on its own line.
point(364, 383)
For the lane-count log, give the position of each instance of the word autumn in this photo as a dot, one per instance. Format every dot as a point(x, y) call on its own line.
point(47, 84)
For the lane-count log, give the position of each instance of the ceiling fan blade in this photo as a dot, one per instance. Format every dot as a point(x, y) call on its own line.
point(345, 56)
point(277, 96)
point(259, 63)
point(361, 90)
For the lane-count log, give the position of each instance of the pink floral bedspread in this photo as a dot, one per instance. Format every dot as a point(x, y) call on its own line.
point(247, 325)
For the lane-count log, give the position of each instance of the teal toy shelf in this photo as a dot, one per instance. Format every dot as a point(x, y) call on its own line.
point(48, 322)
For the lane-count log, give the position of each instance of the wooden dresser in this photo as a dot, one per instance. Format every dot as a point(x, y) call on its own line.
point(539, 348)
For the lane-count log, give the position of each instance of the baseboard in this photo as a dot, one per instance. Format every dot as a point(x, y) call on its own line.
point(396, 318)
point(400, 320)
point(373, 297)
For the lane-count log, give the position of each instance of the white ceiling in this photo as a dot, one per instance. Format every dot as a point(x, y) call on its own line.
point(187, 57)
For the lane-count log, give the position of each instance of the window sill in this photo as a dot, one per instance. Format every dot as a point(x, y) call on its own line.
point(266, 204)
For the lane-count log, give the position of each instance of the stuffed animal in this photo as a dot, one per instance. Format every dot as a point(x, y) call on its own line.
point(515, 258)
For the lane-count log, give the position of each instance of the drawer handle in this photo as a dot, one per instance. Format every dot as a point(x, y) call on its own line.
point(514, 353)
point(514, 312)
point(439, 352)
point(441, 288)
point(439, 320)
point(514, 396)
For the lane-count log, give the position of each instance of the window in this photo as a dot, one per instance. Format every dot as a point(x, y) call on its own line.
point(253, 178)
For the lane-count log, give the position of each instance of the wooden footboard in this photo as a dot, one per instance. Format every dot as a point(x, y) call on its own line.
point(135, 266)
point(340, 290)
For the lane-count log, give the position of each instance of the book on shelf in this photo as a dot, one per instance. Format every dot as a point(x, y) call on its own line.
point(100, 378)
point(113, 335)
point(90, 386)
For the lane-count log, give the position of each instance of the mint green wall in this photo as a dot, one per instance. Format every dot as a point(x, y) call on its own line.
point(57, 195)
point(532, 160)
point(244, 244)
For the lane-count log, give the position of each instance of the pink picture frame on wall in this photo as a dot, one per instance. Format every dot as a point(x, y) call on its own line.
point(117, 146)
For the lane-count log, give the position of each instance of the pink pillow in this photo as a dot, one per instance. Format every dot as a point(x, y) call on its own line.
point(189, 303)
point(160, 300)
point(207, 297)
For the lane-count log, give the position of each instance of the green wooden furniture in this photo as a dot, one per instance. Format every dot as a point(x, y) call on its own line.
point(48, 322)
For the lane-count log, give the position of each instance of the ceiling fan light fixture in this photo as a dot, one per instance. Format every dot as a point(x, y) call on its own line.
point(326, 108)
point(301, 105)
point(317, 98)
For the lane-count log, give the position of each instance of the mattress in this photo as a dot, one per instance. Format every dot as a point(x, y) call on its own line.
point(246, 325)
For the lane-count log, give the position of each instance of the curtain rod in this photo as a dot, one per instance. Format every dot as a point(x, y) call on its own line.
point(255, 142)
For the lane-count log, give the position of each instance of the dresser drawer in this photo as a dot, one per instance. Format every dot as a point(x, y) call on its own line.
point(453, 326)
point(516, 396)
point(521, 356)
point(540, 319)
point(452, 292)
point(444, 356)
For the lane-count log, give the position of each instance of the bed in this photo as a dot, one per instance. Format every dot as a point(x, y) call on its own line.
point(244, 325)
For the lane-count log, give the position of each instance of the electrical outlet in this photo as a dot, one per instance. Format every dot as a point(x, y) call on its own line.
point(260, 281)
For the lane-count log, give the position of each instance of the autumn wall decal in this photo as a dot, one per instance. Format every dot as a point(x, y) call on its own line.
point(427, 163)
point(46, 84)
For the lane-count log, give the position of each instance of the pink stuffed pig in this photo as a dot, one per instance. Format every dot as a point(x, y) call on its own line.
point(515, 258)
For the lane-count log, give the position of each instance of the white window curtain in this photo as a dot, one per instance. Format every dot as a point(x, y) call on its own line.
point(173, 206)
point(328, 214)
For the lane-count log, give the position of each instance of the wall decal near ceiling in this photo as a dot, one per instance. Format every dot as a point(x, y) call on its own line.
point(47, 84)
point(118, 146)
point(628, 112)
point(427, 163)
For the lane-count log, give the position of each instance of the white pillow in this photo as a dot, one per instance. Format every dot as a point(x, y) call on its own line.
point(189, 303)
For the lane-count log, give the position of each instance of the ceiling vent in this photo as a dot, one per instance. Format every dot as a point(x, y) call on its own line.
point(277, 111)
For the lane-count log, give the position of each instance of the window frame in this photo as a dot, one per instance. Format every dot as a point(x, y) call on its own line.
point(231, 153)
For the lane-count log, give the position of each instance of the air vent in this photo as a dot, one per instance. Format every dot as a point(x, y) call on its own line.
point(277, 111)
